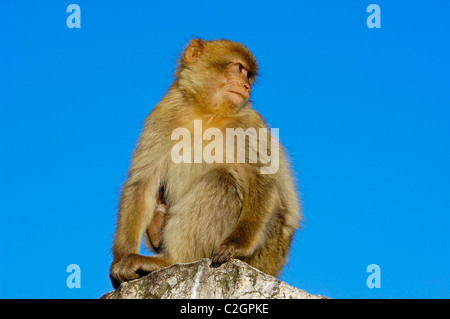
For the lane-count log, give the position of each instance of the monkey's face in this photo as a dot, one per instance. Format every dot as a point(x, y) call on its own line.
point(218, 72)
point(235, 85)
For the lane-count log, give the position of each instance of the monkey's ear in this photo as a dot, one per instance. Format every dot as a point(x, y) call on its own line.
point(194, 51)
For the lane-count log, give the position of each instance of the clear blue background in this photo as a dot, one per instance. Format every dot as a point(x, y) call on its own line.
point(364, 114)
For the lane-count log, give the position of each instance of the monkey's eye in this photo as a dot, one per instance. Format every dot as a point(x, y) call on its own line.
point(240, 67)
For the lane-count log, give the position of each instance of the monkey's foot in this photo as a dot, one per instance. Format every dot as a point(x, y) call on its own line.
point(225, 253)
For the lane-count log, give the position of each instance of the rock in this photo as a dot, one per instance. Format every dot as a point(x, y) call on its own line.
point(232, 280)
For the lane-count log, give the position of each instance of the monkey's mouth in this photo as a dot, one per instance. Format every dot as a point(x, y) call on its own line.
point(242, 95)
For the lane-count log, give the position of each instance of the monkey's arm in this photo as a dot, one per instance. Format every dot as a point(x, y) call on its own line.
point(137, 205)
point(260, 202)
point(135, 211)
point(136, 208)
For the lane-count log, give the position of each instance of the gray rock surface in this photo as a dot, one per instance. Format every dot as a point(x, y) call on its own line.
point(232, 280)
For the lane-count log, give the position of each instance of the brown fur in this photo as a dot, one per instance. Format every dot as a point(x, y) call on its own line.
point(218, 210)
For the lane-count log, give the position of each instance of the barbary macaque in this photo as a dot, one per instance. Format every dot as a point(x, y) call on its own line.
point(194, 209)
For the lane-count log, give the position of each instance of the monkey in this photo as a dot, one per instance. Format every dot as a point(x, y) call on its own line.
point(196, 209)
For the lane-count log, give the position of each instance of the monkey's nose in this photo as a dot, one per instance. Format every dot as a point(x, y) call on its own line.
point(247, 87)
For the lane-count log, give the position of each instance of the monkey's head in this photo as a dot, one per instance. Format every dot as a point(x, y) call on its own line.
point(217, 72)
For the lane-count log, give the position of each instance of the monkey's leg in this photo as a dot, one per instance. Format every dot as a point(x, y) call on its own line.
point(154, 230)
point(261, 200)
point(273, 254)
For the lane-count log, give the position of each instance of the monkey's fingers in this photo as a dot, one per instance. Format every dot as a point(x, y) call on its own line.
point(127, 274)
point(126, 268)
point(215, 264)
point(120, 275)
point(223, 254)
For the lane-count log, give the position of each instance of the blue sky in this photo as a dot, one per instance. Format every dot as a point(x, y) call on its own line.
point(364, 114)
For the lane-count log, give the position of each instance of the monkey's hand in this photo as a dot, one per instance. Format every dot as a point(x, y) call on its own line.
point(225, 252)
point(130, 267)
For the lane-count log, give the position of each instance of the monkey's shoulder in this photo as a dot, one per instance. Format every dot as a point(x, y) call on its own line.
point(249, 117)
